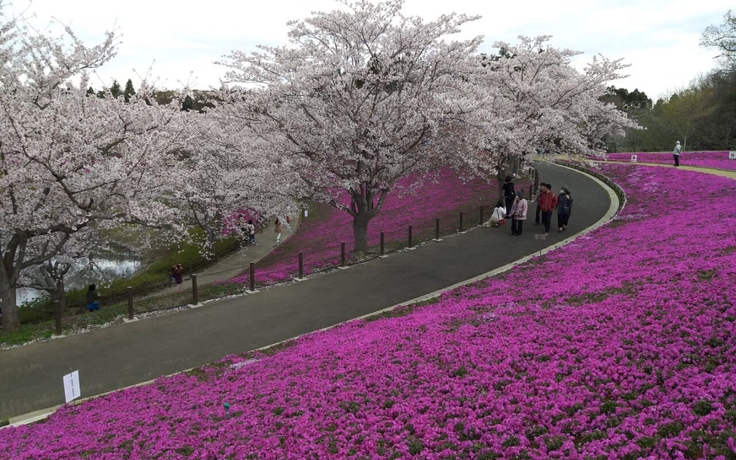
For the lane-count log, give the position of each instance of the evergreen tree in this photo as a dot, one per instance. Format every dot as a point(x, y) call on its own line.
point(90, 91)
point(129, 90)
point(187, 104)
point(115, 89)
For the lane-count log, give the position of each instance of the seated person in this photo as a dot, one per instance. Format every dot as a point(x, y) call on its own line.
point(92, 298)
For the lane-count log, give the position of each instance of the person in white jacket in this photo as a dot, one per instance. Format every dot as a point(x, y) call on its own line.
point(497, 217)
point(676, 153)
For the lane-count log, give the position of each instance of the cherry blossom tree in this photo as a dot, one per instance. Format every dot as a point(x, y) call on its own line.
point(49, 275)
point(225, 171)
point(541, 103)
point(362, 97)
point(70, 161)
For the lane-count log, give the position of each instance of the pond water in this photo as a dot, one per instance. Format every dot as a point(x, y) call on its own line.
point(83, 274)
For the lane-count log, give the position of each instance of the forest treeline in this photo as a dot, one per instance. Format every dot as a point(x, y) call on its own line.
point(701, 116)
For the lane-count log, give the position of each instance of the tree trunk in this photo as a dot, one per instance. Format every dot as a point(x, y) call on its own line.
point(500, 177)
point(58, 294)
point(360, 232)
point(11, 320)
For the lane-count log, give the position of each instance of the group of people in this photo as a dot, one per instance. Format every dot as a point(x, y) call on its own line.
point(548, 202)
point(248, 230)
point(516, 208)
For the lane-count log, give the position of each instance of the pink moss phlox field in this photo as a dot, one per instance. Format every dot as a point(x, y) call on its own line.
point(319, 236)
point(621, 345)
point(706, 159)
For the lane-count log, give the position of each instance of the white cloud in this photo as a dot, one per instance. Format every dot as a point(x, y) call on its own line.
point(658, 38)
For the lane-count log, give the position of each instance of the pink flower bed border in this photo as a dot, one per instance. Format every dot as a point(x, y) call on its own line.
point(706, 159)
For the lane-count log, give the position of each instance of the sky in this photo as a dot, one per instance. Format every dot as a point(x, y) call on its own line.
point(177, 43)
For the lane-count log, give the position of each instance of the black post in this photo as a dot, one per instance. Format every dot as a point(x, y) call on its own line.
point(536, 180)
point(461, 221)
point(57, 316)
point(411, 243)
point(252, 277)
point(382, 247)
point(195, 297)
point(342, 254)
point(301, 265)
point(530, 192)
point(60, 290)
point(129, 290)
point(481, 214)
point(437, 229)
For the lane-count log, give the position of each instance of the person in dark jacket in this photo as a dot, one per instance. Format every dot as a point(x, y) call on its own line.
point(508, 192)
point(93, 298)
point(564, 209)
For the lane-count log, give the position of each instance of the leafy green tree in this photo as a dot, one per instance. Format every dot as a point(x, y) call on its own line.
point(722, 37)
point(636, 105)
point(627, 101)
point(164, 97)
point(90, 91)
point(685, 110)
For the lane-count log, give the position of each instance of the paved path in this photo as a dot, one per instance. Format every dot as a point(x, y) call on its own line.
point(715, 171)
point(116, 357)
point(238, 262)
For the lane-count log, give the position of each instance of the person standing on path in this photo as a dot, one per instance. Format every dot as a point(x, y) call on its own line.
point(251, 232)
point(508, 192)
point(547, 203)
point(564, 209)
point(539, 210)
point(177, 272)
point(518, 214)
point(676, 153)
point(277, 230)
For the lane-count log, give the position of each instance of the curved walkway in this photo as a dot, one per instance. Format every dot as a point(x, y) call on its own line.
point(114, 358)
point(715, 171)
point(236, 263)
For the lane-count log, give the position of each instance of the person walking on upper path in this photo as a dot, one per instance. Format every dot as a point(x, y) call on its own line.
point(508, 192)
point(676, 153)
point(547, 203)
point(277, 230)
point(564, 209)
point(251, 233)
point(518, 214)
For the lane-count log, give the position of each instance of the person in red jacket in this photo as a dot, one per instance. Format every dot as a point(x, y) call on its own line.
point(547, 203)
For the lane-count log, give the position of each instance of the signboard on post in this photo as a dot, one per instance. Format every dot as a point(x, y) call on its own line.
point(732, 155)
point(633, 158)
point(71, 386)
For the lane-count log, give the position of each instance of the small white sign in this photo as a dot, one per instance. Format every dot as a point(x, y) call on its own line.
point(71, 386)
point(633, 158)
point(732, 155)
